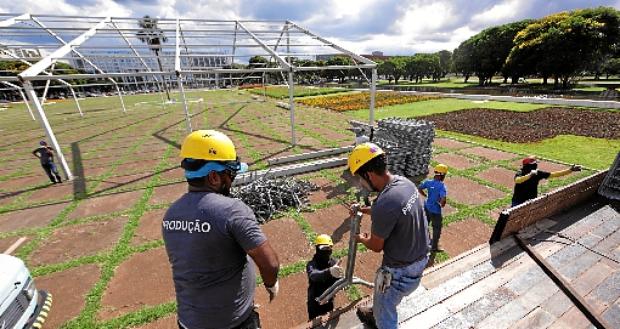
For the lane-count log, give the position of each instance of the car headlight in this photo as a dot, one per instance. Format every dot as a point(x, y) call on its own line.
point(29, 289)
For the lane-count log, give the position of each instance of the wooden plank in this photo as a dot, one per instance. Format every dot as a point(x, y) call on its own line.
point(579, 301)
point(15, 245)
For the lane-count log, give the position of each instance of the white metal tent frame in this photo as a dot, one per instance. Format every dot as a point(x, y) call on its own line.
point(197, 47)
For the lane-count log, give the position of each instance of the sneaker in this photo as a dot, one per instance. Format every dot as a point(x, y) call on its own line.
point(364, 313)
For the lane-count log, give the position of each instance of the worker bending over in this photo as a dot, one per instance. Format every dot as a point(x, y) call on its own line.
point(323, 271)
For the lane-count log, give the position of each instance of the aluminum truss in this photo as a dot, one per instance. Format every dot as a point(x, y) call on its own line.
point(188, 53)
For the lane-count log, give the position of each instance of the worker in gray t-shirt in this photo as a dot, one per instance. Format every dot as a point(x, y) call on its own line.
point(399, 229)
point(209, 236)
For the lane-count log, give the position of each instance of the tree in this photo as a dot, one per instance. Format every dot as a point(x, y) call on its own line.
point(445, 62)
point(153, 36)
point(386, 69)
point(258, 61)
point(611, 67)
point(564, 44)
point(339, 60)
point(463, 59)
point(491, 47)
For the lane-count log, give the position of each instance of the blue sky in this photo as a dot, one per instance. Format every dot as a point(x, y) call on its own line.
point(392, 26)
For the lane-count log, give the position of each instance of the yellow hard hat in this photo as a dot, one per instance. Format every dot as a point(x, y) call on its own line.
point(361, 154)
point(209, 145)
point(441, 168)
point(323, 239)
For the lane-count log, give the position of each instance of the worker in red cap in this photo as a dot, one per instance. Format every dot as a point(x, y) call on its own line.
point(526, 179)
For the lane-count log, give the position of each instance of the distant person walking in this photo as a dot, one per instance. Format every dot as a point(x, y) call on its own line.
point(435, 194)
point(526, 179)
point(46, 156)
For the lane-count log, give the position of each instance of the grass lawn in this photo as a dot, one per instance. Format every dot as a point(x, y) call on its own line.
point(595, 153)
point(443, 105)
point(300, 91)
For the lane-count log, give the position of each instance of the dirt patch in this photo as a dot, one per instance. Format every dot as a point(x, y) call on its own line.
point(8, 242)
point(326, 190)
point(499, 176)
point(289, 308)
point(149, 228)
point(20, 183)
point(124, 182)
point(175, 173)
point(78, 240)
point(490, 154)
point(137, 166)
point(52, 192)
point(464, 235)
point(523, 127)
point(366, 265)
point(454, 160)
point(288, 240)
point(494, 214)
point(168, 193)
point(106, 204)
point(463, 190)
point(29, 218)
point(450, 144)
point(69, 289)
point(335, 221)
point(145, 279)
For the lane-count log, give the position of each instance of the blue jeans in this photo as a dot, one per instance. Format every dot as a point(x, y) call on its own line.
point(404, 281)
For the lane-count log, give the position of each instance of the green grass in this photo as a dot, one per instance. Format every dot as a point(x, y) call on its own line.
point(443, 105)
point(299, 91)
point(595, 153)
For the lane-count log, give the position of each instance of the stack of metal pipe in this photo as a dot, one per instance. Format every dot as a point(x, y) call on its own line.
point(408, 143)
point(268, 195)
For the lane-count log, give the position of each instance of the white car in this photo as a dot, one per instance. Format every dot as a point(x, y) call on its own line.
point(21, 304)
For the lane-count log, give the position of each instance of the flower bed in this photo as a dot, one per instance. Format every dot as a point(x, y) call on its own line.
point(358, 101)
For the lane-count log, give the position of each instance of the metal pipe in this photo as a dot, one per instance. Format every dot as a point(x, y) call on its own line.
point(291, 106)
point(373, 91)
point(188, 118)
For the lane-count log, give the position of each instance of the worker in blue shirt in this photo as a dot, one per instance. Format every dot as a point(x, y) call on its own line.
point(435, 194)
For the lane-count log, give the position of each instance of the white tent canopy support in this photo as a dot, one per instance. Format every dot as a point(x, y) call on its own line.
point(19, 89)
point(87, 34)
point(213, 51)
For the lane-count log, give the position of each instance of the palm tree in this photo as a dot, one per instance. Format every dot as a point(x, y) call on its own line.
point(153, 36)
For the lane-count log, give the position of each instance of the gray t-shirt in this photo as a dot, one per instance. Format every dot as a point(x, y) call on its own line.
point(207, 236)
point(398, 217)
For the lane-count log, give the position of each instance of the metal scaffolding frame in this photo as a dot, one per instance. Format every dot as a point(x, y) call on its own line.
point(187, 52)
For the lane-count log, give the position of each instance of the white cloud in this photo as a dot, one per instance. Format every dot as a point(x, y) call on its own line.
point(394, 26)
point(502, 12)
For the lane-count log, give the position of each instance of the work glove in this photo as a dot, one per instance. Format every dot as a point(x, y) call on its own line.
point(273, 291)
point(336, 271)
point(534, 172)
point(575, 168)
